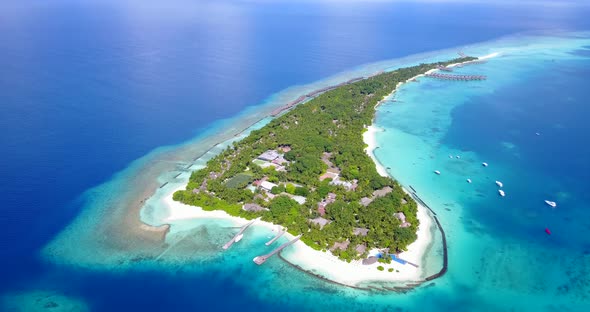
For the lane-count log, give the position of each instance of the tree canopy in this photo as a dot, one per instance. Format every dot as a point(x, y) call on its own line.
point(333, 123)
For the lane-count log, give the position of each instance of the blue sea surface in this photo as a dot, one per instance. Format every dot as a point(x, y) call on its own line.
point(88, 88)
point(526, 121)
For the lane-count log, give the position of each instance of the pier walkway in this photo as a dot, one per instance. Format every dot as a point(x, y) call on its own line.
point(235, 238)
point(279, 234)
point(262, 259)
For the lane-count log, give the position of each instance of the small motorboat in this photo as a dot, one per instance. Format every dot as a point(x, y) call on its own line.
point(499, 184)
point(551, 203)
point(468, 180)
point(501, 193)
point(451, 156)
point(458, 157)
point(239, 238)
point(537, 133)
point(484, 164)
point(437, 172)
point(547, 231)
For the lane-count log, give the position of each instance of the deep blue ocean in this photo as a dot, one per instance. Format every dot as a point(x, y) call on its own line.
point(88, 87)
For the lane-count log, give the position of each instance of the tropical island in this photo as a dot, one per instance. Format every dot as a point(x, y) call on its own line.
point(308, 171)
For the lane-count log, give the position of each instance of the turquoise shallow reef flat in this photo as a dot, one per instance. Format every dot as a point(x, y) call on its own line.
point(528, 121)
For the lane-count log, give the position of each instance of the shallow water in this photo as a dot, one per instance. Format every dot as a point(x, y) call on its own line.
point(497, 245)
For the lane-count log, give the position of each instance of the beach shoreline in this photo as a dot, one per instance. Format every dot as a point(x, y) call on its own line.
point(319, 263)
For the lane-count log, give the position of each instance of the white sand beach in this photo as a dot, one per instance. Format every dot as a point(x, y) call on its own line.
point(322, 263)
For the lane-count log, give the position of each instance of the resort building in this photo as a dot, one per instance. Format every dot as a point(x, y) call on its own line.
point(360, 231)
point(279, 160)
point(360, 249)
point(402, 217)
point(253, 208)
point(365, 201)
point(267, 186)
point(346, 184)
point(342, 245)
point(320, 221)
point(330, 198)
point(298, 199)
point(321, 209)
point(382, 192)
point(269, 155)
point(370, 260)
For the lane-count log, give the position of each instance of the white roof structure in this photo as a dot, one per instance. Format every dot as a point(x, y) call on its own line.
point(299, 199)
point(267, 185)
point(269, 155)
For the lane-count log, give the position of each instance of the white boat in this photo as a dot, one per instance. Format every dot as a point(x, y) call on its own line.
point(551, 203)
point(537, 133)
point(451, 156)
point(238, 238)
point(437, 172)
point(468, 180)
point(484, 164)
point(499, 184)
point(458, 157)
point(501, 193)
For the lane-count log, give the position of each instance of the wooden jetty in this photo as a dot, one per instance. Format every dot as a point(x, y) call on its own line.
point(456, 77)
point(262, 259)
point(279, 234)
point(233, 240)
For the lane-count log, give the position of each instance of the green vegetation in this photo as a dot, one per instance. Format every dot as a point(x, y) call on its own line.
point(329, 126)
point(240, 180)
point(390, 270)
point(380, 268)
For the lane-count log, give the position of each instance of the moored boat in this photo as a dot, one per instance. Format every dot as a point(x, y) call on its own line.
point(437, 172)
point(485, 164)
point(499, 184)
point(239, 237)
point(501, 193)
point(468, 180)
point(551, 203)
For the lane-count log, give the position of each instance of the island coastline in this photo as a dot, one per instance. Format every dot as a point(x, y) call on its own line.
point(152, 236)
point(327, 266)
